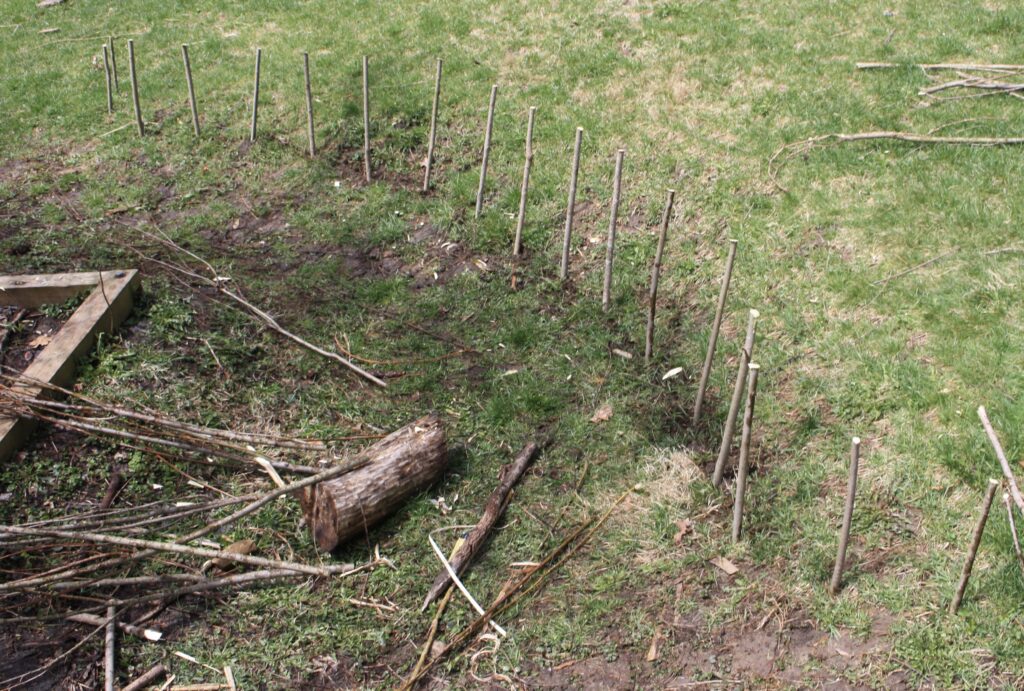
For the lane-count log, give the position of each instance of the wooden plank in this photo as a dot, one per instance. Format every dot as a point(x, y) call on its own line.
point(49, 289)
point(103, 311)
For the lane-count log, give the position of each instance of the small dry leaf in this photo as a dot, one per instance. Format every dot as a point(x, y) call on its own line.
point(40, 341)
point(603, 414)
point(684, 527)
point(622, 353)
point(240, 547)
point(652, 652)
point(725, 565)
point(671, 373)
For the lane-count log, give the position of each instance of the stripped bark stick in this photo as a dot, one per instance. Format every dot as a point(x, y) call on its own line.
point(652, 299)
point(109, 668)
point(433, 128)
point(1013, 531)
point(746, 353)
point(744, 461)
point(191, 88)
point(606, 294)
point(107, 75)
point(310, 133)
point(486, 156)
point(570, 209)
point(367, 171)
point(1001, 455)
point(508, 477)
point(517, 246)
point(716, 326)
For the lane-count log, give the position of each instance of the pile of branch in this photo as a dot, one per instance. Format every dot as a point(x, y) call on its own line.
point(972, 80)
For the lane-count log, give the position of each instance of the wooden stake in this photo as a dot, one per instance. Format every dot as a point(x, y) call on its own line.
point(1013, 531)
point(972, 552)
point(135, 88)
point(606, 295)
point(309, 106)
point(517, 246)
point(487, 150)
point(844, 535)
point(433, 128)
point(106, 72)
point(705, 373)
point(570, 209)
point(113, 63)
point(191, 88)
point(109, 670)
point(737, 393)
point(655, 272)
point(255, 96)
point(741, 476)
point(366, 118)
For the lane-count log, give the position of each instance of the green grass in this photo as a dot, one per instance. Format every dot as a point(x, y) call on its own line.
point(700, 95)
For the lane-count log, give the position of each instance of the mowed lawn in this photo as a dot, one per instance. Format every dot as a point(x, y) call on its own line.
point(888, 276)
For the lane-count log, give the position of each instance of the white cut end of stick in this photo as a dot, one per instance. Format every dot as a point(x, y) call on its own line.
point(856, 441)
point(755, 314)
point(186, 656)
point(622, 354)
point(152, 635)
point(462, 588)
point(753, 365)
point(674, 372)
point(269, 469)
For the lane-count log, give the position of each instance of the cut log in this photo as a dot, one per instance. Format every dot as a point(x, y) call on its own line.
point(400, 465)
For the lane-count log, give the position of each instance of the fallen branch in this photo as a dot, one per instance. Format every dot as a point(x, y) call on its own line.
point(493, 509)
point(1007, 472)
point(151, 675)
point(969, 67)
point(1013, 531)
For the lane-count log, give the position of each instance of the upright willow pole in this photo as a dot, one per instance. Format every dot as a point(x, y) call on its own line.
point(570, 209)
point(433, 128)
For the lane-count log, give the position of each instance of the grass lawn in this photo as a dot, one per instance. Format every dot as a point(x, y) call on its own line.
point(888, 276)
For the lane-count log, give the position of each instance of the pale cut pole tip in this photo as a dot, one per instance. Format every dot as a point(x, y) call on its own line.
point(992, 481)
point(733, 241)
point(753, 366)
point(755, 314)
point(856, 441)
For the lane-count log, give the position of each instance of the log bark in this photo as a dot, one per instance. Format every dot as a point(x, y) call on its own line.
point(495, 507)
point(400, 465)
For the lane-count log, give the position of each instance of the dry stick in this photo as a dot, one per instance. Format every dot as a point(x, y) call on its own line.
point(517, 246)
point(972, 552)
point(106, 72)
point(113, 63)
point(431, 633)
point(109, 670)
point(487, 150)
point(655, 273)
point(844, 535)
point(191, 88)
point(741, 476)
point(606, 294)
point(737, 394)
point(255, 96)
point(1013, 531)
point(570, 209)
point(135, 88)
point(151, 675)
point(113, 487)
point(309, 106)
point(176, 548)
point(138, 631)
point(1014, 490)
point(716, 326)
point(493, 509)
point(433, 128)
point(939, 66)
point(366, 118)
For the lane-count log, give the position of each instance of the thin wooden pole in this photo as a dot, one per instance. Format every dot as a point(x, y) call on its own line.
point(135, 88)
point(366, 119)
point(716, 326)
point(113, 63)
point(570, 209)
point(433, 128)
point(255, 96)
point(741, 475)
point(109, 668)
point(191, 88)
point(844, 535)
point(487, 150)
point(652, 301)
point(309, 106)
point(517, 246)
point(106, 72)
point(606, 295)
point(737, 394)
point(972, 552)
point(1013, 530)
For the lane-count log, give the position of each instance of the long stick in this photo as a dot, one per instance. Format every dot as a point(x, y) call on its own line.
point(741, 475)
point(970, 67)
point(716, 326)
point(1007, 472)
point(174, 547)
point(191, 88)
point(606, 295)
point(844, 535)
point(366, 118)
point(737, 394)
point(137, 631)
point(972, 552)
point(432, 631)
point(255, 96)
point(493, 509)
point(113, 63)
point(135, 88)
point(570, 209)
point(309, 106)
point(109, 669)
point(487, 150)
point(106, 72)
point(517, 246)
point(1013, 531)
point(433, 128)
point(652, 301)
